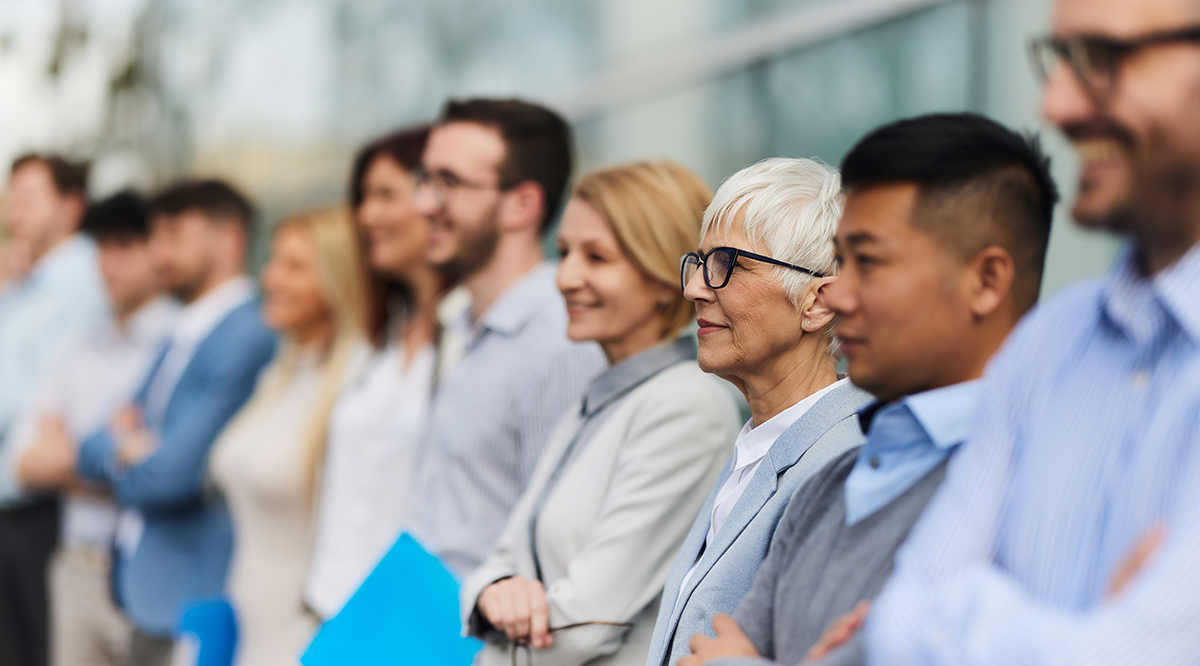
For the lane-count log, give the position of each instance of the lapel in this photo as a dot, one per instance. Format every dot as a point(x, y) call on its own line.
point(140, 397)
point(782, 456)
point(692, 545)
point(201, 361)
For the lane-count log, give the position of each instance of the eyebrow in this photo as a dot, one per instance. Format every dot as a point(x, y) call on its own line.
point(856, 238)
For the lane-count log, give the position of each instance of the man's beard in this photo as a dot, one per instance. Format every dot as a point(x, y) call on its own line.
point(475, 248)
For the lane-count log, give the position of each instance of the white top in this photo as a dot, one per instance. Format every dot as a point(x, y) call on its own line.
point(197, 320)
point(365, 500)
point(84, 388)
point(260, 462)
point(751, 447)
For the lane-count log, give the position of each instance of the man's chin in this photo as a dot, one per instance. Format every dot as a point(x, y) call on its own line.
point(1098, 216)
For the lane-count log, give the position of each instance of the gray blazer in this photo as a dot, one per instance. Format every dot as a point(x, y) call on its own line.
point(613, 522)
point(726, 571)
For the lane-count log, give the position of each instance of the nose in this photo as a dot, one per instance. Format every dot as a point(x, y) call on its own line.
point(696, 289)
point(840, 296)
point(425, 201)
point(1064, 100)
point(569, 276)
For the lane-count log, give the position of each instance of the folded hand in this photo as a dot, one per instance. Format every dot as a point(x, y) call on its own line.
point(517, 606)
point(731, 641)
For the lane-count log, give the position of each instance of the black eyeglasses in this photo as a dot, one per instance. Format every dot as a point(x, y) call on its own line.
point(718, 265)
point(524, 642)
point(1096, 60)
point(443, 183)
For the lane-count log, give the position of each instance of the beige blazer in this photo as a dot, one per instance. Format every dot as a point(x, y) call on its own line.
point(613, 523)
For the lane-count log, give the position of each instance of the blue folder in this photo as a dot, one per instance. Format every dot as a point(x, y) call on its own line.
point(406, 612)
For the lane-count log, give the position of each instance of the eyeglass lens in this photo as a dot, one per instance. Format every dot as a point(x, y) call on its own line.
point(1093, 61)
point(717, 264)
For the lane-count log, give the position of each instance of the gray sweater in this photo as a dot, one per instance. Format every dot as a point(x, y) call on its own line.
point(818, 568)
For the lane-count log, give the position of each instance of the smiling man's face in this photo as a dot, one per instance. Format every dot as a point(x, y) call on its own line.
point(1139, 145)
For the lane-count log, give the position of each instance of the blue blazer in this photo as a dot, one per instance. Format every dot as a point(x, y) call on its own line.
point(185, 547)
point(726, 570)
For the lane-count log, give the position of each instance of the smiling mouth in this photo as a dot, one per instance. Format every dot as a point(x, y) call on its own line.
point(1099, 150)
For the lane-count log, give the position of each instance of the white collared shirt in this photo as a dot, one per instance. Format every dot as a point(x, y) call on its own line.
point(751, 447)
point(197, 320)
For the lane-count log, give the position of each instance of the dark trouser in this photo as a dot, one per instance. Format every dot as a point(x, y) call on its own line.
point(147, 650)
point(28, 535)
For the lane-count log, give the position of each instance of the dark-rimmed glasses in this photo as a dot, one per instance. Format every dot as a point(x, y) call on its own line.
point(443, 183)
point(1096, 60)
point(719, 262)
point(524, 642)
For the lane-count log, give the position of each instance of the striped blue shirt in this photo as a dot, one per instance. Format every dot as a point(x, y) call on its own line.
point(492, 416)
point(1086, 437)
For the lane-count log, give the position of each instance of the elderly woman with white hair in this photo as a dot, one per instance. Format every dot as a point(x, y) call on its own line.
point(757, 281)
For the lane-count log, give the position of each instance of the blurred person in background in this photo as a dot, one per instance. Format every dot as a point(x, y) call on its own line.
point(493, 176)
point(1067, 528)
point(627, 468)
point(758, 283)
point(53, 301)
point(86, 387)
point(173, 537)
point(376, 425)
point(267, 460)
point(940, 253)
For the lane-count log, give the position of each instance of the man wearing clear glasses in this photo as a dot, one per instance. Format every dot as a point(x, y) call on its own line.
point(494, 173)
point(1067, 529)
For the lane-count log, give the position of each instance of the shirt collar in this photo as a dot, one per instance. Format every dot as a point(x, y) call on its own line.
point(201, 316)
point(946, 413)
point(151, 323)
point(1139, 305)
point(628, 374)
point(754, 441)
point(521, 301)
point(61, 259)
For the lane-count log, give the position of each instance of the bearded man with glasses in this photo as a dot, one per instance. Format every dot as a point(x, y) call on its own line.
point(493, 175)
point(1067, 529)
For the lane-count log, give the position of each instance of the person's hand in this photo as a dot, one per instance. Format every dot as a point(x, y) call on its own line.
point(1139, 557)
point(50, 462)
point(839, 632)
point(731, 641)
point(517, 606)
point(134, 442)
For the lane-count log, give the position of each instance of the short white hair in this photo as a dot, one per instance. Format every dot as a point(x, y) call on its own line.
point(791, 209)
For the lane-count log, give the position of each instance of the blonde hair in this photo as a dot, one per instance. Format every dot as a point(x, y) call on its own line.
point(655, 209)
point(342, 272)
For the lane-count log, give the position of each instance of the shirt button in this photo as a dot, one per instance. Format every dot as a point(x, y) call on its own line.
point(1141, 380)
point(874, 462)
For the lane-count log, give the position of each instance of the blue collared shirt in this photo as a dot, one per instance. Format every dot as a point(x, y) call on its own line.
point(59, 304)
point(907, 439)
point(1088, 434)
point(493, 414)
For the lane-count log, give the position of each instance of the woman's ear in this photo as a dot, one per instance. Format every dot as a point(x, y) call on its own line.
point(815, 313)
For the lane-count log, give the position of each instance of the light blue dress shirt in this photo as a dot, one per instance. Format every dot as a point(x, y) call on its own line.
point(492, 415)
point(906, 439)
point(1088, 434)
point(56, 307)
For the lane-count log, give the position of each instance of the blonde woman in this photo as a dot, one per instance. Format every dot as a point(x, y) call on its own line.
point(592, 539)
point(267, 460)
